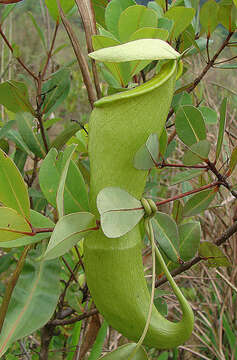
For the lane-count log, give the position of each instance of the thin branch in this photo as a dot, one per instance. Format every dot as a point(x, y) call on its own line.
point(80, 58)
point(225, 61)
point(187, 265)
point(17, 58)
point(85, 315)
point(69, 269)
point(51, 49)
point(180, 196)
point(86, 11)
point(210, 63)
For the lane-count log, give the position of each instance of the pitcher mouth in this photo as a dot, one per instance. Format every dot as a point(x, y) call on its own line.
point(166, 72)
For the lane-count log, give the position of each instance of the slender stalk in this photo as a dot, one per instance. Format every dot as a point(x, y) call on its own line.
point(50, 50)
point(86, 314)
point(11, 285)
point(150, 233)
point(80, 58)
point(180, 196)
point(17, 58)
point(164, 164)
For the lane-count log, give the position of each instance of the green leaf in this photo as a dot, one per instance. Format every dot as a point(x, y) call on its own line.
point(199, 202)
point(38, 287)
point(123, 352)
point(189, 124)
point(37, 220)
point(182, 98)
point(119, 211)
point(143, 49)
point(227, 15)
point(14, 96)
point(112, 13)
point(52, 6)
point(177, 211)
point(99, 9)
point(209, 115)
point(147, 156)
point(166, 235)
point(185, 175)
point(99, 342)
point(75, 338)
point(156, 7)
point(121, 71)
point(28, 131)
point(181, 17)
point(12, 224)
point(166, 24)
point(221, 132)
point(67, 156)
point(190, 235)
point(75, 195)
point(213, 254)
point(197, 153)
point(67, 233)
point(14, 136)
point(13, 190)
point(6, 127)
point(134, 18)
point(65, 136)
point(20, 158)
point(233, 160)
point(163, 141)
point(55, 90)
point(209, 16)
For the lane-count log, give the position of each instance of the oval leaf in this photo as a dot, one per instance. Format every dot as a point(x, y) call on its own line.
point(166, 235)
point(185, 175)
point(233, 160)
point(37, 220)
point(181, 16)
point(199, 202)
point(67, 232)
point(209, 115)
point(143, 49)
point(209, 16)
point(123, 352)
point(13, 190)
point(38, 287)
point(12, 224)
point(75, 194)
point(190, 234)
point(213, 255)
point(147, 156)
point(14, 96)
point(134, 18)
point(189, 124)
point(119, 211)
point(197, 153)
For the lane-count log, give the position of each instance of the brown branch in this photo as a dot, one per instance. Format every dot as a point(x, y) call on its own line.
point(80, 58)
point(69, 269)
point(180, 196)
point(187, 265)
point(210, 63)
point(17, 58)
point(86, 11)
point(221, 178)
point(85, 315)
point(50, 50)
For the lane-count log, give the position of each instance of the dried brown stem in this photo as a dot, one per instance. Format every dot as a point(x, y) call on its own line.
point(80, 58)
point(50, 50)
